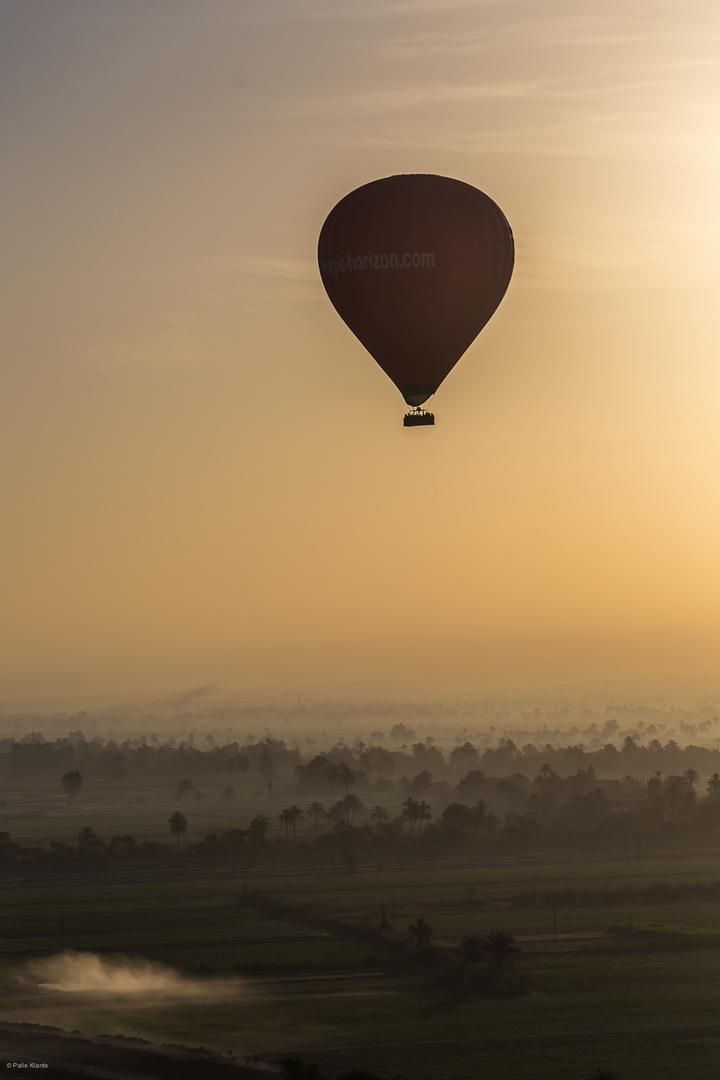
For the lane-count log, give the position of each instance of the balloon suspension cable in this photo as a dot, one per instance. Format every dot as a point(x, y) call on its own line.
point(418, 418)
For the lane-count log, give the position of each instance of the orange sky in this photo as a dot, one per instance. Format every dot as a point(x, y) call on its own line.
point(206, 478)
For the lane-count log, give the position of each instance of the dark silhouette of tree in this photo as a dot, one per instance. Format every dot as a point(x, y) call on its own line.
point(227, 794)
point(679, 795)
point(654, 784)
point(352, 805)
point(379, 815)
point(420, 933)
point(464, 756)
point(337, 812)
point(410, 812)
point(316, 810)
point(458, 818)
point(243, 764)
point(294, 1067)
point(295, 817)
point(331, 774)
point(122, 846)
point(284, 819)
point(399, 731)
point(386, 928)
point(72, 782)
point(471, 948)
point(471, 785)
point(424, 813)
point(178, 825)
point(500, 946)
point(258, 827)
point(713, 787)
point(484, 817)
point(422, 783)
point(346, 777)
point(265, 763)
point(184, 788)
point(87, 838)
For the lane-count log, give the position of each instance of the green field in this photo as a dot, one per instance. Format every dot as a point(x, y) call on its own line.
point(644, 1000)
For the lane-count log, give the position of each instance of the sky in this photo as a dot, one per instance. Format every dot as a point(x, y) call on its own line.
point(205, 477)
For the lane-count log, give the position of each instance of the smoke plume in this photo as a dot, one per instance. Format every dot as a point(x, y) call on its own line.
point(178, 701)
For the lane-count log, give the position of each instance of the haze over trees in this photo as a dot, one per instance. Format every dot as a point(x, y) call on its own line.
point(337, 804)
point(616, 780)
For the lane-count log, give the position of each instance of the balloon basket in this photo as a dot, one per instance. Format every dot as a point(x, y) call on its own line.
point(418, 418)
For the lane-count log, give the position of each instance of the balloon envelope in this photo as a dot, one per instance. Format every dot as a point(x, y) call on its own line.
point(416, 265)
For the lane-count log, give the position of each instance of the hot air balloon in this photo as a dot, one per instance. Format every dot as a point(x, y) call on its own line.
point(415, 265)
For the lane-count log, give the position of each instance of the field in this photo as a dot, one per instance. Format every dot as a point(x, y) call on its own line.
point(287, 957)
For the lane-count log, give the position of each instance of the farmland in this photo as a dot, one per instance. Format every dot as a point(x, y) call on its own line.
point(262, 950)
point(259, 903)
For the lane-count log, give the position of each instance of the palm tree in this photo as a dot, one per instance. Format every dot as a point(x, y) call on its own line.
point(420, 933)
point(423, 814)
point(385, 925)
point(691, 777)
point(346, 777)
point(316, 810)
point(713, 787)
point(471, 948)
point(379, 815)
point(87, 837)
point(284, 819)
point(295, 815)
point(500, 946)
point(410, 809)
point(353, 805)
point(178, 824)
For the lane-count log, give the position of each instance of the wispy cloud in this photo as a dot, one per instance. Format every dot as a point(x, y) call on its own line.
point(163, 340)
point(299, 270)
point(541, 29)
point(370, 11)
